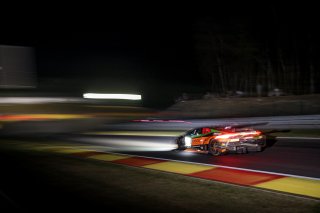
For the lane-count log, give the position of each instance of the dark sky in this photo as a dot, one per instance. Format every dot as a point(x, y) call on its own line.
point(151, 54)
point(149, 50)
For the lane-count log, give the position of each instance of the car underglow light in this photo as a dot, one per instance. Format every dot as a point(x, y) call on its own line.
point(112, 96)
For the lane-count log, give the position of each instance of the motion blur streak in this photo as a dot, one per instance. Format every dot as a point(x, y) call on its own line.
point(40, 117)
point(36, 100)
point(164, 121)
point(112, 96)
point(126, 144)
point(138, 133)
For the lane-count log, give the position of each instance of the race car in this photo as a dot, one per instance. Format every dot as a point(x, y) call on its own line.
point(218, 140)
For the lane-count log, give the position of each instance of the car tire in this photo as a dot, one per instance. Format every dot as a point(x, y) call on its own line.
point(212, 148)
point(259, 149)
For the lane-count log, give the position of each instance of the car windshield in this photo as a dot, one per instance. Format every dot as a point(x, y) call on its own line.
point(202, 131)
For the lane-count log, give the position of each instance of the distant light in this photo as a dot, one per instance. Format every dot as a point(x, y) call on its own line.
point(112, 96)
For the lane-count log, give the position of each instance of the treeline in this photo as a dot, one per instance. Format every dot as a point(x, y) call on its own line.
point(258, 53)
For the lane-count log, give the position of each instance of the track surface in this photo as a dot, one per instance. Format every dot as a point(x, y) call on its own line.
point(289, 156)
point(283, 155)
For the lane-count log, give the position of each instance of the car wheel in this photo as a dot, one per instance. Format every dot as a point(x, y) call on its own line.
point(213, 148)
point(259, 149)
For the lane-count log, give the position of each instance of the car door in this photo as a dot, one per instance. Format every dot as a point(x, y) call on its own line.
point(196, 137)
point(205, 135)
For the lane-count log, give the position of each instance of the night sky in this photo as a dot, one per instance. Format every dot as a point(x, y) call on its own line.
point(152, 55)
point(147, 51)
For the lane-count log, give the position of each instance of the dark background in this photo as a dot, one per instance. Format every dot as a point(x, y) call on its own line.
point(155, 50)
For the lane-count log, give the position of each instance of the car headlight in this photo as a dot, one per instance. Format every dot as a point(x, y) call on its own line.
point(187, 141)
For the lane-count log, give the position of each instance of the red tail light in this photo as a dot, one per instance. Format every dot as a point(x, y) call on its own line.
point(258, 132)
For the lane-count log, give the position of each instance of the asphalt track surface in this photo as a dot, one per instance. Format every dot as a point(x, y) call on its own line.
point(300, 157)
point(283, 155)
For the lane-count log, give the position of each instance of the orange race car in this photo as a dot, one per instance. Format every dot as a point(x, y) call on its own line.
point(218, 140)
